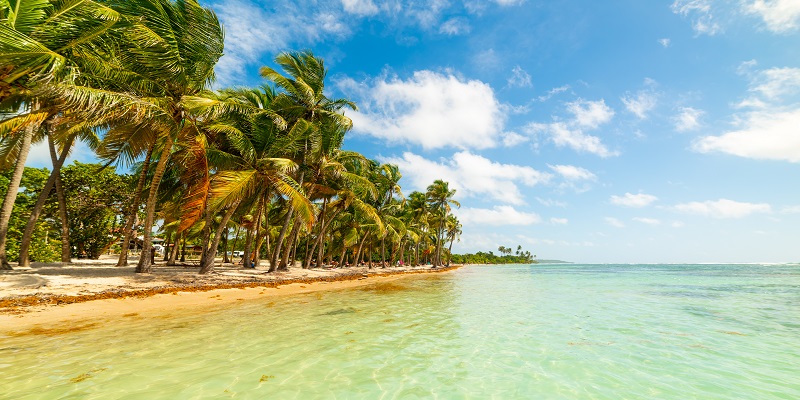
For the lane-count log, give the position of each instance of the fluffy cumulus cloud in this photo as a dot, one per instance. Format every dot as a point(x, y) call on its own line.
point(767, 127)
point(498, 215)
point(780, 16)
point(633, 200)
point(590, 114)
point(688, 119)
point(664, 42)
point(765, 135)
point(722, 208)
point(559, 221)
point(573, 173)
point(429, 109)
point(586, 115)
point(471, 175)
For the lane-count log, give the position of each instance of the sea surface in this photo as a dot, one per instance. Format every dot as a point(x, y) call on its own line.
point(481, 332)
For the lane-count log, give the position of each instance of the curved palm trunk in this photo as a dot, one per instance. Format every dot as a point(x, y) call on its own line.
point(11, 194)
point(208, 260)
point(273, 260)
point(145, 262)
point(292, 239)
point(137, 197)
point(58, 161)
point(173, 255)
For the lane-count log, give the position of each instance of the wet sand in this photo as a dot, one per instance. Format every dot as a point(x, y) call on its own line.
point(55, 298)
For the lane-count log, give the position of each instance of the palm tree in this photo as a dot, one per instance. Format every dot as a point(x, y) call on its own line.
point(42, 42)
point(440, 197)
point(302, 101)
point(167, 52)
point(453, 233)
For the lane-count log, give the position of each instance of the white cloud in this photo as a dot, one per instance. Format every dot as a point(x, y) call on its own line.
point(585, 115)
point(722, 208)
point(791, 210)
point(699, 11)
point(769, 129)
point(559, 221)
point(551, 202)
point(775, 83)
point(248, 37)
point(499, 215)
point(360, 7)
point(665, 42)
point(552, 92)
point(688, 119)
point(572, 173)
point(614, 222)
point(633, 200)
point(511, 139)
point(648, 221)
point(765, 135)
point(562, 135)
point(641, 103)
point(455, 27)
point(590, 114)
point(429, 109)
point(471, 175)
point(519, 78)
point(781, 16)
point(677, 224)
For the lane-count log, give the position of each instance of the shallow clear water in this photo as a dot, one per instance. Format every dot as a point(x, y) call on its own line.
point(504, 332)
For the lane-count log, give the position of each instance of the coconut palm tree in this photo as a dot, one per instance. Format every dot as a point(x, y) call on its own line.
point(440, 197)
point(166, 52)
point(42, 42)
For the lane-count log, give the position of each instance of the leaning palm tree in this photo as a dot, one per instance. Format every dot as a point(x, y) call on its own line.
point(42, 42)
point(167, 51)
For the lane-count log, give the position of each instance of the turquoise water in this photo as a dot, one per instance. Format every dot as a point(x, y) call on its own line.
point(504, 332)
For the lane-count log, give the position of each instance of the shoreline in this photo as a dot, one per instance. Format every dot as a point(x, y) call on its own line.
point(70, 305)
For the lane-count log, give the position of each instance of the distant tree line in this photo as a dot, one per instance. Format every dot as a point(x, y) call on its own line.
point(506, 256)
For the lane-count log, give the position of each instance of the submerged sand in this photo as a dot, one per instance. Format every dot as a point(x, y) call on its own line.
point(56, 297)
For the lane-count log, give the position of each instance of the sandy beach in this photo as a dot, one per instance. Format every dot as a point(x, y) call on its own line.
point(54, 298)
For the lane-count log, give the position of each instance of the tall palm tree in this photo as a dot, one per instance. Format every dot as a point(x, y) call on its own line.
point(440, 197)
point(302, 100)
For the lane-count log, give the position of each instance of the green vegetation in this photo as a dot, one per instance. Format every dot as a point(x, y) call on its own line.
point(260, 169)
point(507, 256)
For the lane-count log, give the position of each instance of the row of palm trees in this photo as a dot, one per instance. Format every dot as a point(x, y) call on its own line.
point(131, 78)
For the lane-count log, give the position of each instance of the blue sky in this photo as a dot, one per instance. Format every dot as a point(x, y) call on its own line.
point(588, 131)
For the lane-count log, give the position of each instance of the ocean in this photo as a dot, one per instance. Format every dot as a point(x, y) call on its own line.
point(565, 331)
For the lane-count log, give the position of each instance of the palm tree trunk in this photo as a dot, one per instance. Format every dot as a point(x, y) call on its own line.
point(66, 249)
point(145, 262)
point(58, 161)
point(450, 250)
point(225, 258)
point(11, 193)
point(170, 238)
point(292, 237)
point(173, 255)
point(133, 210)
point(360, 246)
point(208, 264)
point(273, 260)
